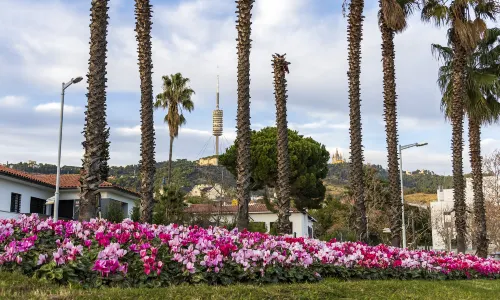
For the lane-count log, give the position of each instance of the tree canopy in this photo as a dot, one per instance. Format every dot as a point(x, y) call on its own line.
point(308, 165)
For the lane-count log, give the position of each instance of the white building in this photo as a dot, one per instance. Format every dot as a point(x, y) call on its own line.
point(211, 192)
point(443, 217)
point(24, 193)
point(302, 222)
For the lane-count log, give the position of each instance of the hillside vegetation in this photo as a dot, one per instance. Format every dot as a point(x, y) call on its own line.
point(187, 174)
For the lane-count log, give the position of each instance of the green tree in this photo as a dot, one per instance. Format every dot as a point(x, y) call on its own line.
point(308, 165)
point(143, 24)
point(466, 21)
point(243, 132)
point(392, 20)
point(175, 97)
point(94, 169)
point(169, 207)
point(481, 107)
point(354, 37)
point(280, 66)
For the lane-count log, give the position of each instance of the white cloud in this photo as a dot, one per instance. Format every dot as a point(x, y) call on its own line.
point(51, 38)
point(12, 101)
point(55, 108)
point(129, 131)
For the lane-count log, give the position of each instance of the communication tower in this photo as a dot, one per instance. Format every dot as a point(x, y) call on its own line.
point(217, 123)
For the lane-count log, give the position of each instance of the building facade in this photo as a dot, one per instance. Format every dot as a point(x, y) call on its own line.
point(443, 216)
point(25, 193)
point(302, 222)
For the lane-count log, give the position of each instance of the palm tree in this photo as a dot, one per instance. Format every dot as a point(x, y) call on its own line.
point(481, 106)
point(175, 97)
point(354, 37)
point(94, 169)
point(280, 66)
point(243, 134)
point(143, 35)
point(463, 35)
point(392, 20)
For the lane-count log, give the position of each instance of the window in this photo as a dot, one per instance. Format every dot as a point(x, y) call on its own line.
point(15, 203)
point(309, 232)
point(37, 206)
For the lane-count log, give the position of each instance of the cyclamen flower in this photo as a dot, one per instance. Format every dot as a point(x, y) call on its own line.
point(42, 258)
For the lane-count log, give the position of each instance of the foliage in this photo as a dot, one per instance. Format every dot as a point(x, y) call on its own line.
point(169, 206)
point(308, 164)
point(175, 97)
point(128, 254)
point(257, 227)
point(333, 220)
point(114, 212)
point(135, 213)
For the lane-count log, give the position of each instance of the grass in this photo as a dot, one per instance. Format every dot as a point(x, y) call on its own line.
point(16, 286)
point(421, 198)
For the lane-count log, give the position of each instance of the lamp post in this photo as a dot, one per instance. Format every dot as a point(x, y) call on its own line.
point(401, 148)
point(58, 176)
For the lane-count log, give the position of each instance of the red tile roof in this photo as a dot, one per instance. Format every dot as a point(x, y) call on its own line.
point(67, 181)
point(215, 208)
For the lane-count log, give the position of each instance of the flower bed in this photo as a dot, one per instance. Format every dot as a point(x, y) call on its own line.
point(99, 253)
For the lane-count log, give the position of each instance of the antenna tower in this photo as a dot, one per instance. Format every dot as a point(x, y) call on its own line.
point(217, 122)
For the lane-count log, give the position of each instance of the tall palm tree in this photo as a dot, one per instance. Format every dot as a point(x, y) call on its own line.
point(243, 134)
point(280, 66)
point(175, 97)
point(143, 23)
point(481, 106)
point(392, 20)
point(94, 169)
point(463, 35)
point(354, 37)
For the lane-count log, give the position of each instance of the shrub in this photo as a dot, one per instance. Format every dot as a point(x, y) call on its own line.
point(257, 227)
point(114, 213)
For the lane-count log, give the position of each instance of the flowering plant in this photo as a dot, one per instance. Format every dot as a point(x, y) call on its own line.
point(98, 253)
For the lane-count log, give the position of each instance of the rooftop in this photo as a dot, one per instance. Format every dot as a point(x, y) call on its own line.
point(67, 181)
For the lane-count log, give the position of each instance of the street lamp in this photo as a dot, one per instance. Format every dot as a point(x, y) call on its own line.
point(401, 148)
point(56, 200)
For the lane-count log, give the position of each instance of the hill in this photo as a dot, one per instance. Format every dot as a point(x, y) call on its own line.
point(187, 174)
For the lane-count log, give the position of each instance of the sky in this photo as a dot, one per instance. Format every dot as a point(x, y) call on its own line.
point(45, 43)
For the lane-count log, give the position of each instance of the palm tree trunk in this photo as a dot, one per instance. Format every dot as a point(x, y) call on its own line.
point(243, 135)
point(170, 160)
point(143, 30)
point(457, 117)
point(391, 129)
point(95, 117)
point(354, 37)
point(477, 186)
point(284, 225)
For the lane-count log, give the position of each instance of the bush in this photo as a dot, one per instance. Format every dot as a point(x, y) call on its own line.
point(114, 213)
point(257, 227)
point(135, 213)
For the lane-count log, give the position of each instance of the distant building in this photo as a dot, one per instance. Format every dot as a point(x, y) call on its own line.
point(302, 222)
point(211, 192)
point(208, 161)
point(337, 158)
point(443, 216)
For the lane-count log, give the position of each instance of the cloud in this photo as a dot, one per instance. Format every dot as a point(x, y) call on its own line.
point(55, 108)
point(12, 101)
point(44, 44)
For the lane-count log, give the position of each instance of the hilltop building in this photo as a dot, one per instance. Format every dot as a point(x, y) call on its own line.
point(208, 161)
point(337, 158)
